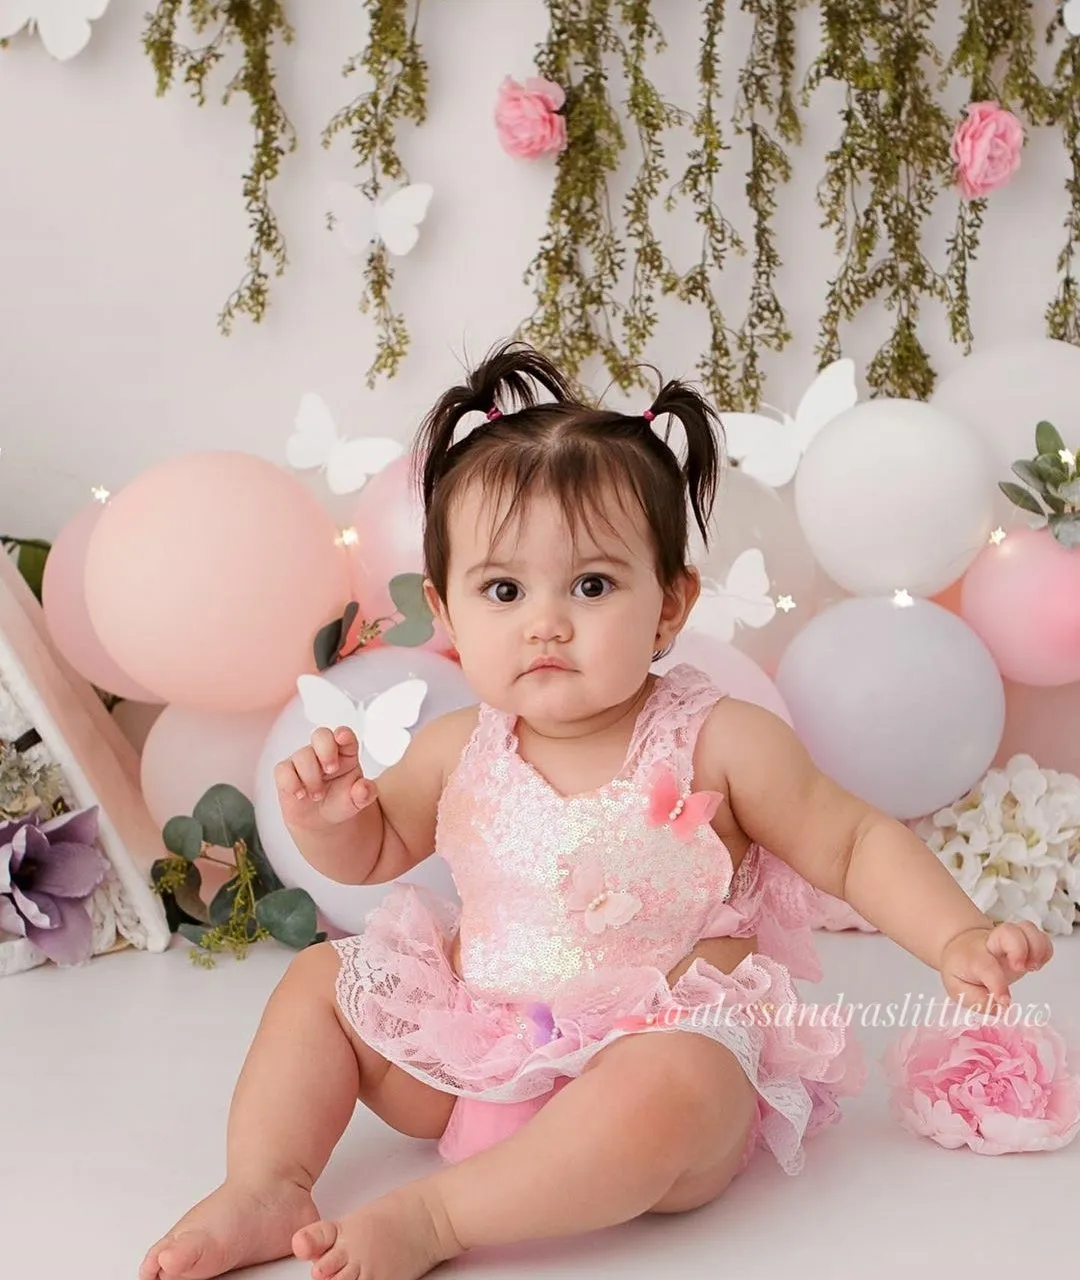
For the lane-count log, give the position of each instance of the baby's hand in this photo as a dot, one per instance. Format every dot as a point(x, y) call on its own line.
point(979, 964)
point(322, 785)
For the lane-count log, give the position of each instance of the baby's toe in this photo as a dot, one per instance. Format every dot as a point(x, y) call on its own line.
point(333, 1264)
point(312, 1242)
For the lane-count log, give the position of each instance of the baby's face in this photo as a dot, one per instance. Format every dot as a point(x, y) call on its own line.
point(592, 612)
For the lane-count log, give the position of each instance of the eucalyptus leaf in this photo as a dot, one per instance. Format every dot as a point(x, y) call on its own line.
point(31, 562)
point(267, 877)
point(1050, 467)
point(410, 633)
point(1066, 529)
point(290, 916)
point(1047, 438)
point(221, 905)
point(1070, 492)
point(1029, 475)
point(194, 933)
point(183, 836)
point(327, 644)
point(407, 593)
point(226, 815)
point(1021, 497)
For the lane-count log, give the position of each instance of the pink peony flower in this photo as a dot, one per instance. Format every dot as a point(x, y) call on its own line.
point(990, 1087)
point(986, 148)
point(527, 117)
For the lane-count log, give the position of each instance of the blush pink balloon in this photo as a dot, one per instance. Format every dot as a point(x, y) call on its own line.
point(730, 669)
point(1022, 598)
point(186, 752)
point(63, 598)
point(1042, 723)
point(389, 521)
point(208, 577)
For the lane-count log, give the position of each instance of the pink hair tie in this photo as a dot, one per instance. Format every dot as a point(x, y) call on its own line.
point(648, 415)
point(493, 414)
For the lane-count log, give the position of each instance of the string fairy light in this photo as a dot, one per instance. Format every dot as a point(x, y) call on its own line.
point(902, 599)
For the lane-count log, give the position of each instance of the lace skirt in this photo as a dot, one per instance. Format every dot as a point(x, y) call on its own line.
point(398, 990)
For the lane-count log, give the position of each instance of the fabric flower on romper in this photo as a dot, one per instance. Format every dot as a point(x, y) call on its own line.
point(684, 813)
point(602, 906)
point(993, 1088)
point(47, 871)
point(986, 149)
point(527, 117)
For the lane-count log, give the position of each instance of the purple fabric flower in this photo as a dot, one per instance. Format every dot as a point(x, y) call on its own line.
point(47, 872)
point(543, 1020)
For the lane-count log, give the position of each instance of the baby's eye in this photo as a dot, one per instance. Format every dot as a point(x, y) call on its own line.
point(502, 591)
point(594, 586)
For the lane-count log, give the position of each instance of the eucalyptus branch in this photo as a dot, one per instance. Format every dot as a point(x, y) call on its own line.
point(1063, 314)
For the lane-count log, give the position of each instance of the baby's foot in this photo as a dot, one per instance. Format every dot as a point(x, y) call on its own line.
point(236, 1226)
point(400, 1236)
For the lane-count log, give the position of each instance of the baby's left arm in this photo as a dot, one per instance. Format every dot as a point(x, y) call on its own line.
point(847, 848)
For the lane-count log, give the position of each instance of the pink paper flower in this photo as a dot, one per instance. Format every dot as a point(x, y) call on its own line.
point(527, 117)
point(990, 1087)
point(602, 906)
point(986, 148)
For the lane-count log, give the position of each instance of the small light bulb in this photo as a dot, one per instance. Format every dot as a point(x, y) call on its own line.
point(998, 536)
point(99, 493)
point(347, 537)
point(902, 599)
point(786, 603)
point(1068, 457)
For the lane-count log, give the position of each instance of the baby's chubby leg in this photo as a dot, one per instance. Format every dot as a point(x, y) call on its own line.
point(297, 1092)
point(657, 1122)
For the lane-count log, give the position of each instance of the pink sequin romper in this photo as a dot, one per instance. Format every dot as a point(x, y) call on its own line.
point(573, 910)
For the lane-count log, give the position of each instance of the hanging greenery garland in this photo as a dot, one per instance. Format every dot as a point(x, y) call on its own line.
point(718, 237)
point(399, 76)
point(1063, 313)
point(895, 140)
point(254, 25)
point(766, 112)
point(577, 268)
point(995, 52)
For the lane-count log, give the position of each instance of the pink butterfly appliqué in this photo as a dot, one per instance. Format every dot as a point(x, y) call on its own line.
point(684, 813)
point(602, 906)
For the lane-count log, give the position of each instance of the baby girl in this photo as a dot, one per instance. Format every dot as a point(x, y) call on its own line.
point(629, 850)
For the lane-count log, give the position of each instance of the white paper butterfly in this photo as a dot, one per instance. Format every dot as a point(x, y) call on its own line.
point(63, 25)
point(382, 724)
point(357, 221)
point(771, 451)
point(348, 463)
point(742, 599)
point(1070, 13)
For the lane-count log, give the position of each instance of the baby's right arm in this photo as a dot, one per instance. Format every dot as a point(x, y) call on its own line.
point(357, 830)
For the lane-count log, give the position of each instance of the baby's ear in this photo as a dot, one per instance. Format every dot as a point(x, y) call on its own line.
point(436, 605)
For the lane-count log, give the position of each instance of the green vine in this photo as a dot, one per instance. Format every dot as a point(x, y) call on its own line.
point(399, 78)
point(577, 268)
point(765, 111)
point(255, 24)
point(651, 115)
point(719, 238)
point(1063, 314)
point(996, 54)
point(895, 139)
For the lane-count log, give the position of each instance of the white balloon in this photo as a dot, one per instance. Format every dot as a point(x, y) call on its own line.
point(1003, 392)
point(364, 677)
point(900, 704)
point(895, 495)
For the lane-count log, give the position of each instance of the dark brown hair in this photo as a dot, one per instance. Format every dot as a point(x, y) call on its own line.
point(574, 451)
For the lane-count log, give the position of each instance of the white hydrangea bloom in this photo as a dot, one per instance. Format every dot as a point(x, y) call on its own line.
point(1013, 844)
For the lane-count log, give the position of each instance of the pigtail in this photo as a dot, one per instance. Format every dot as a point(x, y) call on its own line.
point(704, 446)
point(507, 381)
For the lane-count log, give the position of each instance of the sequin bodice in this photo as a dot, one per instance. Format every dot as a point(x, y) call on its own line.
point(554, 885)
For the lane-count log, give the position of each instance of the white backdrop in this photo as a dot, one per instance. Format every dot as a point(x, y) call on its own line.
point(122, 232)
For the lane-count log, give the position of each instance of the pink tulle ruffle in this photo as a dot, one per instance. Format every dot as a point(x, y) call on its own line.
point(398, 990)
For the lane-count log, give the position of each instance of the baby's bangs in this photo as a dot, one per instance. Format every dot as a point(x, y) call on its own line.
point(592, 484)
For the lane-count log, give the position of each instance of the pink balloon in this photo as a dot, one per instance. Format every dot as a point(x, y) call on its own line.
point(729, 668)
point(389, 523)
point(1042, 723)
point(1022, 598)
point(186, 752)
point(63, 597)
point(208, 577)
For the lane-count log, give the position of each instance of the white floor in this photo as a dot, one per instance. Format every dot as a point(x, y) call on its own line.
point(115, 1081)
